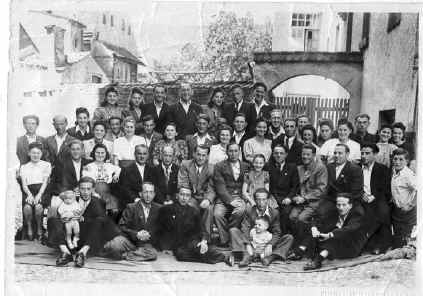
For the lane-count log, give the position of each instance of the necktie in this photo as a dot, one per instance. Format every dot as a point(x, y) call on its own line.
point(166, 171)
point(287, 142)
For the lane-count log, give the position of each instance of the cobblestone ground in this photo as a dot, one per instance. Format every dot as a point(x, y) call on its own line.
point(398, 275)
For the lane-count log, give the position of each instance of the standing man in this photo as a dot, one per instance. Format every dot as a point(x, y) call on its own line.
point(275, 128)
point(313, 182)
point(138, 223)
point(343, 177)
point(375, 199)
point(150, 135)
point(284, 183)
point(201, 137)
point(290, 140)
point(158, 109)
point(228, 179)
point(58, 144)
point(31, 123)
point(280, 244)
point(184, 113)
point(132, 177)
point(230, 110)
point(197, 175)
point(240, 134)
point(180, 230)
point(95, 228)
point(361, 135)
point(260, 107)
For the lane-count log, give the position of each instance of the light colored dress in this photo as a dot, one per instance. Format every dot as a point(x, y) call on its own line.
point(385, 153)
point(253, 147)
point(217, 154)
point(328, 149)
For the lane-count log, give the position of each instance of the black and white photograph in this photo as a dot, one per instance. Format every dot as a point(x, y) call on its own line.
point(201, 147)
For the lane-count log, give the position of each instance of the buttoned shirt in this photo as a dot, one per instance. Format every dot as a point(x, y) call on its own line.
point(238, 105)
point(236, 168)
point(281, 166)
point(59, 141)
point(367, 174)
point(198, 169)
point(258, 107)
point(265, 213)
point(141, 170)
point(77, 167)
point(146, 209)
point(404, 188)
point(83, 132)
point(167, 171)
point(158, 108)
point(31, 139)
point(338, 169)
point(35, 173)
point(238, 136)
point(289, 141)
point(185, 105)
point(202, 140)
point(341, 220)
point(124, 149)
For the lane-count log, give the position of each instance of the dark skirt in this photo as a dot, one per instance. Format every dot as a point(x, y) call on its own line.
point(34, 189)
point(403, 223)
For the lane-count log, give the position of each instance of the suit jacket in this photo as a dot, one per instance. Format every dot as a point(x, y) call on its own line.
point(367, 138)
point(154, 139)
point(294, 153)
point(350, 180)
point(95, 209)
point(22, 149)
point(130, 182)
point(162, 119)
point(285, 183)
point(133, 220)
point(225, 184)
point(274, 226)
point(179, 226)
point(64, 151)
point(64, 175)
point(314, 184)
point(229, 111)
point(244, 138)
point(164, 189)
point(77, 134)
point(192, 143)
point(201, 185)
point(185, 122)
point(263, 113)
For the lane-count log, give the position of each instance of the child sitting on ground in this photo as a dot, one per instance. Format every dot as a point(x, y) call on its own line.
point(70, 211)
point(260, 238)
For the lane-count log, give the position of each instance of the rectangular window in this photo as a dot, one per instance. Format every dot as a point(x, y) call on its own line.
point(104, 19)
point(95, 79)
point(386, 117)
point(394, 19)
point(301, 21)
point(42, 93)
point(111, 21)
point(311, 40)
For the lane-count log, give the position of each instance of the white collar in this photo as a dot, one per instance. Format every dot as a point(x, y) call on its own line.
point(239, 134)
point(34, 136)
point(263, 103)
point(185, 104)
point(206, 136)
point(77, 128)
point(370, 168)
point(61, 137)
point(266, 211)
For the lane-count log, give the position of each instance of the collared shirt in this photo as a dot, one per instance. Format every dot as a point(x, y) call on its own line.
point(202, 140)
point(124, 149)
point(198, 169)
point(185, 105)
point(404, 188)
point(258, 108)
point(83, 132)
point(236, 168)
point(77, 166)
point(338, 169)
point(282, 165)
point(367, 173)
point(158, 108)
point(289, 141)
point(146, 210)
point(341, 220)
point(265, 213)
point(35, 173)
point(59, 141)
point(238, 136)
point(167, 170)
point(31, 139)
point(238, 105)
point(141, 169)
point(275, 135)
point(328, 148)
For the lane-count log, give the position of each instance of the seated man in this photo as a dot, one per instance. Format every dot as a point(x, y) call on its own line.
point(280, 243)
point(95, 227)
point(179, 229)
point(228, 179)
point(313, 182)
point(139, 225)
point(197, 175)
point(341, 235)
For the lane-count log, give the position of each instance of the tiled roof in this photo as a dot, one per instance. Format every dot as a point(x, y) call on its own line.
point(122, 52)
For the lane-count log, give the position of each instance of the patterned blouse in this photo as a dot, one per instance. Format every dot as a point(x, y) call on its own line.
point(180, 147)
point(101, 172)
point(104, 113)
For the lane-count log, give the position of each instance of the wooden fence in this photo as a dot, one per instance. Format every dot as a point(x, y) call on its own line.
point(315, 108)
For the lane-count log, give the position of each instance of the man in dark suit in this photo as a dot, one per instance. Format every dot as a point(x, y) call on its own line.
point(260, 108)
point(150, 135)
point(184, 113)
point(279, 245)
point(30, 123)
point(284, 183)
point(340, 235)
point(343, 177)
point(289, 140)
point(201, 137)
point(240, 131)
point(95, 228)
point(228, 179)
point(180, 230)
point(361, 135)
point(81, 130)
point(197, 175)
point(375, 199)
point(230, 110)
point(57, 145)
point(132, 177)
point(167, 176)
point(158, 109)
point(138, 223)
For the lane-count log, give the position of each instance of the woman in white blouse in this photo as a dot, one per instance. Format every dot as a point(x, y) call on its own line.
point(124, 147)
point(345, 128)
point(99, 130)
point(218, 151)
point(34, 176)
point(104, 174)
point(258, 144)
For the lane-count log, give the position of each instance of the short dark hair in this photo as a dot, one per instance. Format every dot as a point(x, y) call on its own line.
point(259, 84)
point(309, 146)
point(240, 114)
point(97, 146)
point(401, 151)
point(204, 147)
point(36, 144)
point(170, 123)
point(135, 90)
point(31, 116)
point(309, 127)
point(203, 116)
point(86, 179)
point(326, 121)
point(290, 119)
point(76, 141)
point(259, 155)
point(344, 121)
point(231, 143)
point(81, 110)
point(260, 119)
point(347, 149)
point(159, 85)
point(115, 118)
point(148, 118)
point(109, 90)
point(373, 146)
point(264, 218)
point(399, 125)
point(280, 145)
point(345, 195)
point(235, 86)
point(383, 126)
point(362, 115)
point(100, 123)
point(261, 190)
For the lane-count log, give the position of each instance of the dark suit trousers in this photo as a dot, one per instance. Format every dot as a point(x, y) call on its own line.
point(206, 216)
point(191, 253)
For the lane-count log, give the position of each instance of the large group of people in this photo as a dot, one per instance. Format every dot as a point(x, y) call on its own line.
point(230, 181)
